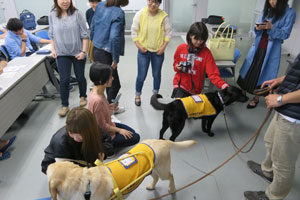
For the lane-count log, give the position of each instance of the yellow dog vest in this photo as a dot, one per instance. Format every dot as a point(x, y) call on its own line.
point(197, 106)
point(129, 169)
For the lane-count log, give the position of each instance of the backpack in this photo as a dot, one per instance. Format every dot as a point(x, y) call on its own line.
point(28, 20)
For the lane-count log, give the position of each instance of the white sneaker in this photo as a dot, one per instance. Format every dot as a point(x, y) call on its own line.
point(119, 110)
point(114, 119)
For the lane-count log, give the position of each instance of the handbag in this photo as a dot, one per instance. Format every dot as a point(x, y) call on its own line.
point(43, 20)
point(222, 48)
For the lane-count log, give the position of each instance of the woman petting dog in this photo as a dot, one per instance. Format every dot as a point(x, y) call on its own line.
point(263, 59)
point(80, 139)
point(191, 61)
point(102, 77)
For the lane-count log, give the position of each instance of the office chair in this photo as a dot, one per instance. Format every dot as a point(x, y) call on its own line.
point(43, 34)
point(4, 53)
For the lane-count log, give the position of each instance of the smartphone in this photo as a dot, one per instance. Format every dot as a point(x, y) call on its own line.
point(116, 100)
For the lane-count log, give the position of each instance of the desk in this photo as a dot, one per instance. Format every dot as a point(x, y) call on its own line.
point(18, 91)
point(39, 28)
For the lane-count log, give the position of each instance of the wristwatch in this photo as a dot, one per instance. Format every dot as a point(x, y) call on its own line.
point(279, 99)
point(83, 52)
point(24, 40)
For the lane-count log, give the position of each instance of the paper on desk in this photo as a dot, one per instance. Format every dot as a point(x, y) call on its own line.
point(8, 75)
point(14, 68)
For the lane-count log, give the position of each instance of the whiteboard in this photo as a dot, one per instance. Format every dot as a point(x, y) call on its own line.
point(135, 5)
point(261, 3)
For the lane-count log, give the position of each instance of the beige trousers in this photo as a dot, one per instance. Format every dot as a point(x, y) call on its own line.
point(282, 141)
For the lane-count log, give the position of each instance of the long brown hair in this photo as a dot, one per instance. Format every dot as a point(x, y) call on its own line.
point(81, 120)
point(59, 11)
point(121, 3)
point(276, 12)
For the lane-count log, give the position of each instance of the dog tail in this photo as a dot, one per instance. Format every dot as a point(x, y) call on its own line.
point(156, 104)
point(183, 144)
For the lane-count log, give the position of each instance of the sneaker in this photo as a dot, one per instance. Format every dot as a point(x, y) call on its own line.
point(73, 81)
point(261, 195)
point(119, 110)
point(256, 168)
point(83, 101)
point(63, 111)
point(71, 88)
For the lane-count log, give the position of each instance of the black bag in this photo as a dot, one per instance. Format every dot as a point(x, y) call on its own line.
point(213, 19)
point(43, 20)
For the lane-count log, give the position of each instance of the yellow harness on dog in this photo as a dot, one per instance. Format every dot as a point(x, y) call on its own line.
point(130, 169)
point(198, 106)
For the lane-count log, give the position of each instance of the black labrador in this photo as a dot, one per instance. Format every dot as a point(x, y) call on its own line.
point(174, 115)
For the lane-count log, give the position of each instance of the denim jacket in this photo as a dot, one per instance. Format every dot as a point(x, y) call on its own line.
point(107, 30)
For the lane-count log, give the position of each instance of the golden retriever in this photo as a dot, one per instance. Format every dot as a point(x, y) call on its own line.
point(68, 181)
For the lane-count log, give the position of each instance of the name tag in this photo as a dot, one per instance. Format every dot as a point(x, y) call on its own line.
point(197, 99)
point(127, 162)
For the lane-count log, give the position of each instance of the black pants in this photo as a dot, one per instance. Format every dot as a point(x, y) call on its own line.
point(105, 57)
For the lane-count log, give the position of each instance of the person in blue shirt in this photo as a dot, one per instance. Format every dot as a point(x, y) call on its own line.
point(263, 59)
point(18, 40)
point(108, 36)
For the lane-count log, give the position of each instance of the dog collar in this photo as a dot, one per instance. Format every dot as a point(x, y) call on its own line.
point(87, 194)
point(222, 101)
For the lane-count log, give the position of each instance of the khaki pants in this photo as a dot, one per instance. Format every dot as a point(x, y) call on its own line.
point(282, 141)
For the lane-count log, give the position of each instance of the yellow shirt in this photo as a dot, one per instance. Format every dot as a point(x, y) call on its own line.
point(129, 169)
point(198, 106)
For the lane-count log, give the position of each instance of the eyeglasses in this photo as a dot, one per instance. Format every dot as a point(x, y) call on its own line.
point(153, 2)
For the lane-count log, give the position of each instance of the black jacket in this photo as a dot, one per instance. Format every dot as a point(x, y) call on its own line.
point(291, 83)
point(63, 146)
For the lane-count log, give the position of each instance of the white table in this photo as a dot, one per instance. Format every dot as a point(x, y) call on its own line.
point(18, 91)
point(39, 28)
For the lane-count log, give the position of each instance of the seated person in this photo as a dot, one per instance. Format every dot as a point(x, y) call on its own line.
point(189, 77)
point(80, 139)
point(121, 134)
point(18, 40)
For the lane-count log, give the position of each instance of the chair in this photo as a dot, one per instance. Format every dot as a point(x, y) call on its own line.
point(4, 53)
point(43, 34)
point(230, 72)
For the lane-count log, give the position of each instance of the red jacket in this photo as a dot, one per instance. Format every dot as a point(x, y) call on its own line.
point(204, 62)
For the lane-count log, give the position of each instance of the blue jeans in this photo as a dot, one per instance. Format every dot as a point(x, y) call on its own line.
point(105, 57)
point(144, 60)
point(64, 64)
point(120, 141)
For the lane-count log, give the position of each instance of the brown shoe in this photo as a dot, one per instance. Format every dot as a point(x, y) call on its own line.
point(83, 101)
point(63, 111)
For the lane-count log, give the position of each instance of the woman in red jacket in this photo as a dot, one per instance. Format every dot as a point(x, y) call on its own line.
point(191, 61)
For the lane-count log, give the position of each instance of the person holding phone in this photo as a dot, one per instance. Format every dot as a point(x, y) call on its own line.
point(263, 59)
point(121, 135)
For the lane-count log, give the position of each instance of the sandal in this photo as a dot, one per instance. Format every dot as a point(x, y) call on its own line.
point(253, 103)
point(11, 141)
point(137, 101)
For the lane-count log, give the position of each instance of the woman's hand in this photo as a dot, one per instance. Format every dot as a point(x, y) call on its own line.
point(114, 65)
point(178, 67)
point(80, 56)
point(268, 24)
point(125, 133)
point(53, 53)
point(140, 47)
point(161, 51)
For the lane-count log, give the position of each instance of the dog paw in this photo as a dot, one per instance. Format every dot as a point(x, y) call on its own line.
point(150, 187)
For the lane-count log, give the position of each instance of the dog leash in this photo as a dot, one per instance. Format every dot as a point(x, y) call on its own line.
point(260, 91)
point(117, 192)
point(222, 164)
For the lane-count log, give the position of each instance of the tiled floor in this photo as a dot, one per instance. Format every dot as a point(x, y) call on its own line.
point(21, 177)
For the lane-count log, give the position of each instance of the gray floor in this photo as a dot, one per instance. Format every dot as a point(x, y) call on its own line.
point(21, 177)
